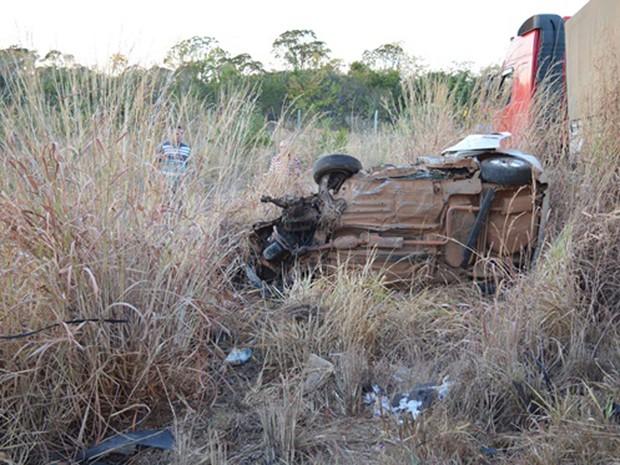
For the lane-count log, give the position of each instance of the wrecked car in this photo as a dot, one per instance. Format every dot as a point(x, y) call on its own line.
point(472, 212)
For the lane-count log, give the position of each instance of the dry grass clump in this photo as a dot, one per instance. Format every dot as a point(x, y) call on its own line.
point(89, 231)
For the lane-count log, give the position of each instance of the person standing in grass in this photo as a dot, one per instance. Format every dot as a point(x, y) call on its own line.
point(173, 156)
point(284, 162)
point(286, 170)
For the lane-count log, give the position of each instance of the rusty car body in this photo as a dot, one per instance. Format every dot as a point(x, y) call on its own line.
point(473, 211)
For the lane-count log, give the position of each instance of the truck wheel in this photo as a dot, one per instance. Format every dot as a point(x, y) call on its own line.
point(505, 170)
point(343, 166)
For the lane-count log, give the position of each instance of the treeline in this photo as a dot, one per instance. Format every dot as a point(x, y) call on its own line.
point(310, 80)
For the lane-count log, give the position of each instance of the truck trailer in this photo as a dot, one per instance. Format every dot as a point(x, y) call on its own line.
point(576, 59)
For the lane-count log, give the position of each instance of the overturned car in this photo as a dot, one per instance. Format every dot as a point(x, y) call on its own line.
point(476, 211)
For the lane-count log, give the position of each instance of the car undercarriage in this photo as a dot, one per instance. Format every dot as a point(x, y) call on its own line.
point(471, 213)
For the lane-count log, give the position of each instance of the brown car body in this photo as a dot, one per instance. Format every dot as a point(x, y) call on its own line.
point(437, 218)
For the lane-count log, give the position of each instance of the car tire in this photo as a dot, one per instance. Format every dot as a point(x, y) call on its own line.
point(504, 170)
point(340, 164)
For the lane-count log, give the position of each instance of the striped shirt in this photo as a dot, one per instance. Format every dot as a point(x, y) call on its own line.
point(174, 158)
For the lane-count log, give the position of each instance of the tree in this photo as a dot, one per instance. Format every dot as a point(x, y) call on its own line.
point(53, 59)
point(370, 90)
point(195, 50)
point(388, 57)
point(16, 58)
point(14, 61)
point(199, 57)
point(300, 49)
point(244, 64)
point(57, 59)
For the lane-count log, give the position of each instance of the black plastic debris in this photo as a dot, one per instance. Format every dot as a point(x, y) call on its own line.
point(615, 411)
point(127, 443)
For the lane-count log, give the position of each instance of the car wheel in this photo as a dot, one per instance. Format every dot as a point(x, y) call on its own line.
point(506, 170)
point(338, 166)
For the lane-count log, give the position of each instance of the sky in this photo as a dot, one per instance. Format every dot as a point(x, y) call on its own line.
point(440, 32)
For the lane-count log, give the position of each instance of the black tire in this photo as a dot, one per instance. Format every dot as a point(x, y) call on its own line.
point(337, 163)
point(508, 171)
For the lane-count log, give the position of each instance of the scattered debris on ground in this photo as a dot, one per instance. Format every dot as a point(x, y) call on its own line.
point(418, 399)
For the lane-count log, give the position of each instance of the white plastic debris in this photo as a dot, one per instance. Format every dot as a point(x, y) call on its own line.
point(239, 356)
point(443, 388)
point(412, 406)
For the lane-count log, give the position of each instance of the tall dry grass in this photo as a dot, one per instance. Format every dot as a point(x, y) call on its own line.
point(88, 231)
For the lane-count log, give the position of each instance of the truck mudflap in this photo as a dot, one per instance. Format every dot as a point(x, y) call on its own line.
point(542, 226)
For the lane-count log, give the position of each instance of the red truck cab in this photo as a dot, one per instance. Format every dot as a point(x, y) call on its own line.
point(535, 55)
